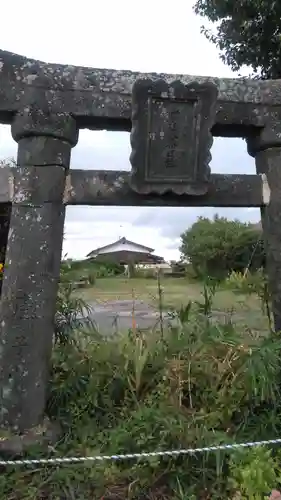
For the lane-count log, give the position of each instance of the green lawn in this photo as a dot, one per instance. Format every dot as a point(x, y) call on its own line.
point(177, 292)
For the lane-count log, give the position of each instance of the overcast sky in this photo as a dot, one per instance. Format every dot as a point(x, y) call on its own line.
point(146, 36)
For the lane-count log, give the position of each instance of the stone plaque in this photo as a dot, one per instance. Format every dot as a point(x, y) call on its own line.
point(171, 136)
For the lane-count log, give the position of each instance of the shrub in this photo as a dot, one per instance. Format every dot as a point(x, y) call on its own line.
point(252, 283)
point(94, 265)
point(72, 314)
point(202, 384)
point(179, 268)
point(254, 472)
point(219, 246)
point(195, 385)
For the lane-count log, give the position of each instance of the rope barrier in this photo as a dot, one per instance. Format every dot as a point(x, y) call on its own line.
point(141, 456)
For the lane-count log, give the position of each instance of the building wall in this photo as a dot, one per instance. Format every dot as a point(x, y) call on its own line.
point(121, 247)
point(165, 267)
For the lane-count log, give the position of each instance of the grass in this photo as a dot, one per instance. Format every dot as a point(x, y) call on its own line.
point(202, 383)
point(176, 293)
point(199, 386)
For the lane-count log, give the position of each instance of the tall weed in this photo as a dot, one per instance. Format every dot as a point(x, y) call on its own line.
point(198, 384)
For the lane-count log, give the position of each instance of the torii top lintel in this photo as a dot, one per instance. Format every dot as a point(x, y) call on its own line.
point(101, 98)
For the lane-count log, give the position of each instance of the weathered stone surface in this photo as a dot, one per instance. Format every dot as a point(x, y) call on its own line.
point(110, 187)
point(6, 184)
point(101, 98)
point(33, 184)
point(32, 269)
point(37, 185)
point(268, 162)
point(5, 213)
point(32, 122)
point(266, 138)
point(171, 136)
point(105, 187)
point(16, 445)
point(27, 312)
point(46, 104)
point(43, 151)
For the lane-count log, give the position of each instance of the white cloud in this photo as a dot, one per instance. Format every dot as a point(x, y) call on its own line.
point(145, 37)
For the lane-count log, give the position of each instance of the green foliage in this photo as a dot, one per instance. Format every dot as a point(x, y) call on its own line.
point(249, 284)
point(72, 313)
point(254, 473)
point(88, 270)
point(179, 268)
point(219, 246)
point(190, 273)
point(246, 33)
point(108, 268)
point(200, 384)
point(146, 273)
point(208, 293)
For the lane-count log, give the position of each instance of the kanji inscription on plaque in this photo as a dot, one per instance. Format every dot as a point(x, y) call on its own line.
point(171, 136)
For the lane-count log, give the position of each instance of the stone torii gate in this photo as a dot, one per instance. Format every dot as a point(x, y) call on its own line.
point(172, 119)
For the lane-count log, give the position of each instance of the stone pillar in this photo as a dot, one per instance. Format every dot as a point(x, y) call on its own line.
point(266, 149)
point(33, 258)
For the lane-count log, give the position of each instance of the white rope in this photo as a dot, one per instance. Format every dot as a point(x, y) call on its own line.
point(128, 456)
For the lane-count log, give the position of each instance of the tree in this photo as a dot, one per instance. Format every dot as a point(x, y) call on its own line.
point(8, 162)
point(247, 32)
point(219, 246)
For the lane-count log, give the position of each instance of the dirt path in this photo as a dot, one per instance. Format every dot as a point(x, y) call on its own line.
point(119, 315)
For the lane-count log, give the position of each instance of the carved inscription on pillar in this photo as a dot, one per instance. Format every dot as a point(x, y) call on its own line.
point(171, 136)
